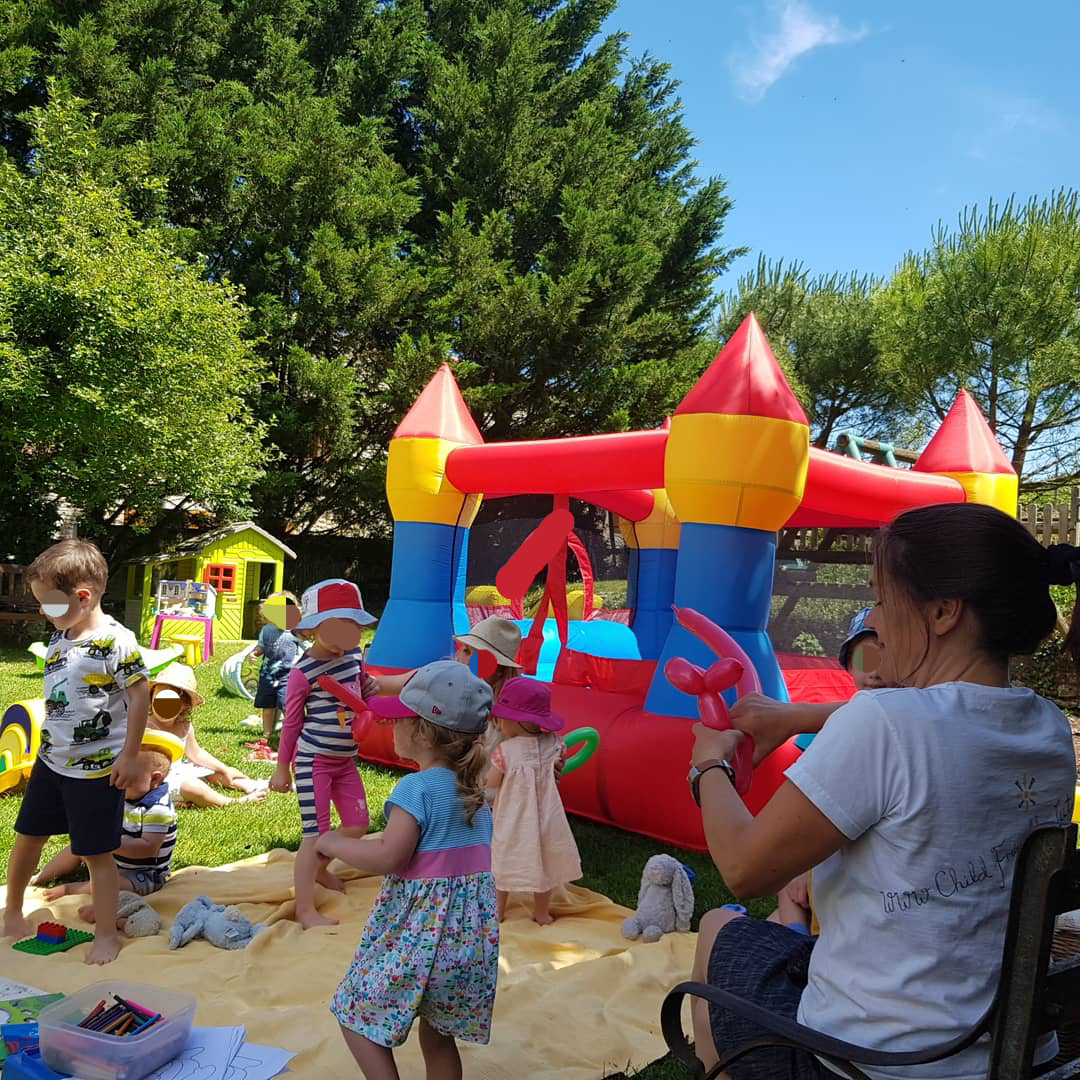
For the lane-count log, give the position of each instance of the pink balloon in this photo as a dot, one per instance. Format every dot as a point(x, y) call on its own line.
point(723, 675)
point(684, 676)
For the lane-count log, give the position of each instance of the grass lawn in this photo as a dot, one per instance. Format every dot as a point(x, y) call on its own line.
point(612, 859)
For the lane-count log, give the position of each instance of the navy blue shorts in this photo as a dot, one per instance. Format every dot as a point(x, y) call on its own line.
point(270, 694)
point(766, 963)
point(91, 812)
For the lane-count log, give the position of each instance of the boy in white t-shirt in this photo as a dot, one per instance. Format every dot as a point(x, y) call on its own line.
point(96, 700)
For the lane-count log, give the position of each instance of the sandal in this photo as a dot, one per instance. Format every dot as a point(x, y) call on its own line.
point(261, 751)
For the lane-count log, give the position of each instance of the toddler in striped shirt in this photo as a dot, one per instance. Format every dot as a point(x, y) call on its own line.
point(317, 739)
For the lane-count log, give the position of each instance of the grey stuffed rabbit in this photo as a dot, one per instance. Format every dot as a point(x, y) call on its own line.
point(665, 900)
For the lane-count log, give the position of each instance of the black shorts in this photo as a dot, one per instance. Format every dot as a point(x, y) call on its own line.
point(270, 695)
point(91, 812)
point(766, 963)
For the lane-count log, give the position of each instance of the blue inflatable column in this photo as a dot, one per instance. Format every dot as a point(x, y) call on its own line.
point(650, 593)
point(726, 573)
point(427, 595)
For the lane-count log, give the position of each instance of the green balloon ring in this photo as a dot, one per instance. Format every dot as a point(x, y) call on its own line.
point(590, 740)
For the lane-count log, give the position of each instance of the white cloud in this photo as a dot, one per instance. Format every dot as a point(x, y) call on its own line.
point(1006, 119)
point(770, 55)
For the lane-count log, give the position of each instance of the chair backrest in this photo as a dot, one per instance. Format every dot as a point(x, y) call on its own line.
point(1034, 997)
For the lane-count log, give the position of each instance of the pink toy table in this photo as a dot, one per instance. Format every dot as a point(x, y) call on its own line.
point(208, 631)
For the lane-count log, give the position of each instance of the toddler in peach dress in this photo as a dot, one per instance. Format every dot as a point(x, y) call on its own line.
point(532, 848)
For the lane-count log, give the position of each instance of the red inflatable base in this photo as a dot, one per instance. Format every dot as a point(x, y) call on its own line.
point(637, 779)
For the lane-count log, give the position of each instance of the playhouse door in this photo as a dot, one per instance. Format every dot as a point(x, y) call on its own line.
point(258, 585)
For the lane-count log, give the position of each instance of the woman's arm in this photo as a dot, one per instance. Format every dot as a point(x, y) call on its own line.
point(758, 855)
point(771, 723)
point(392, 685)
point(378, 853)
point(199, 756)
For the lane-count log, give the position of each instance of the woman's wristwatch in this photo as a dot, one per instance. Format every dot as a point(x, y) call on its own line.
point(698, 771)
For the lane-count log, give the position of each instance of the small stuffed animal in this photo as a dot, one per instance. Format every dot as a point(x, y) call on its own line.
point(225, 927)
point(665, 900)
point(136, 917)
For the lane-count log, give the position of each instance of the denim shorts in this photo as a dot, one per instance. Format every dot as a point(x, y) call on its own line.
point(768, 964)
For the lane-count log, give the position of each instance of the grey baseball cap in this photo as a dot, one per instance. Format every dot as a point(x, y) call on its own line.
point(445, 693)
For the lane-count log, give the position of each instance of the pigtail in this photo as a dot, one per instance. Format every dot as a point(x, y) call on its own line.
point(466, 756)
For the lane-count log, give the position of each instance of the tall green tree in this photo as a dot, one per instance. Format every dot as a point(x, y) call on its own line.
point(394, 183)
point(822, 333)
point(122, 370)
point(994, 305)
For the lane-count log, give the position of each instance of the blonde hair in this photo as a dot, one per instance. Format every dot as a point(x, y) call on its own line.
point(69, 564)
point(157, 761)
point(466, 756)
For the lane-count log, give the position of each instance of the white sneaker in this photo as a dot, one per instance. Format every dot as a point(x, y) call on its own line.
point(252, 721)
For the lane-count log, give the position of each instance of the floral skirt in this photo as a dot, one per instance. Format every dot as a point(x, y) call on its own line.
point(430, 949)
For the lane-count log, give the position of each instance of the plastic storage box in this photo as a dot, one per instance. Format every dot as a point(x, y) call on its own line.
point(68, 1048)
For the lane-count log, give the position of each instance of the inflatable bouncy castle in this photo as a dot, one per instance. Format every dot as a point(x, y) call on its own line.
point(700, 502)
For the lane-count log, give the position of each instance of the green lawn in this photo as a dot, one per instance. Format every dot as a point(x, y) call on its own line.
point(612, 859)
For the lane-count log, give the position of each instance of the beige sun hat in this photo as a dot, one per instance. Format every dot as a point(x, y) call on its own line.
point(500, 637)
point(179, 677)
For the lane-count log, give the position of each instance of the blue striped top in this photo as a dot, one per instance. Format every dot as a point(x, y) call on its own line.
point(314, 718)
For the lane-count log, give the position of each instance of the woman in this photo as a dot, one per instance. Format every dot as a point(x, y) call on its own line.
point(909, 806)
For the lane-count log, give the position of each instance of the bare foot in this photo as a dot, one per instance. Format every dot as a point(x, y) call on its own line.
point(104, 949)
point(255, 796)
point(54, 893)
point(247, 785)
point(308, 919)
point(17, 925)
point(86, 913)
point(330, 881)
point(544, 920)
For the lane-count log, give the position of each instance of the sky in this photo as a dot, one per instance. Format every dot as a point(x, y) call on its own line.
point(846, 131)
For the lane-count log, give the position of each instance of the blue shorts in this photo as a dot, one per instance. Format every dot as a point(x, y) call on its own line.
point(270, 694)
point(768, 964)
point(90, 811)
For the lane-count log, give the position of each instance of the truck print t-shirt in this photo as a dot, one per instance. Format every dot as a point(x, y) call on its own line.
point(86, 699)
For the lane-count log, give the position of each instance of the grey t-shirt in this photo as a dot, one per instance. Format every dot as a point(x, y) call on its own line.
point(936, 789)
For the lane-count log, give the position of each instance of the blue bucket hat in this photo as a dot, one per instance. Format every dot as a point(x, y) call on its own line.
point(856, 630)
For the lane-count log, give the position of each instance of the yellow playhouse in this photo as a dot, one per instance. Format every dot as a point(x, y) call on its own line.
point(215, 579)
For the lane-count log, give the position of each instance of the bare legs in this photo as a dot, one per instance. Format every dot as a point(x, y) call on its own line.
point(711, 923)
point(269, 722)
point(62, 864)
point(199, 793)
point(105, 888)
point(21, 865)
point(310, 869)
point(541, 904)
point(441, 1058)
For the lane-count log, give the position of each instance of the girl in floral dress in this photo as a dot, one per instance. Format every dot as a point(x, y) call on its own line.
point(430, 948)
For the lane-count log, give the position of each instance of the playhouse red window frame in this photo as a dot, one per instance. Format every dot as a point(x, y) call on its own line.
point(222, 576)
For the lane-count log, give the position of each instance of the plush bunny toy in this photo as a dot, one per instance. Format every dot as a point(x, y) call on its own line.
point(665, 900)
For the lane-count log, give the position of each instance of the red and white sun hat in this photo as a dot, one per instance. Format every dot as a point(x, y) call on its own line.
point(334, 598)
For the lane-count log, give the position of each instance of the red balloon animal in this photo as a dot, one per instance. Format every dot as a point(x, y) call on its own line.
point(732, 669)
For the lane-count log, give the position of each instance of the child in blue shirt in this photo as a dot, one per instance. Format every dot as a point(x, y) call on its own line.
point(430, 948)
point(279, 650)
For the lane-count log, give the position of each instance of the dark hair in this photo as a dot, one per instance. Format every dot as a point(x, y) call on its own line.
point(987, 559)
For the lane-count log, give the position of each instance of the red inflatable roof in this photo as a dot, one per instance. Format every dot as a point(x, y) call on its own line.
point(744, 380)
point(964, 443)
point(440, 412)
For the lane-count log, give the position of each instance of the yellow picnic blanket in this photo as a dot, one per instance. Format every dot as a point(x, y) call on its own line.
point(575, 1000)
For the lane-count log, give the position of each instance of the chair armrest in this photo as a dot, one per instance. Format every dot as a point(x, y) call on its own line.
point(787, 1032)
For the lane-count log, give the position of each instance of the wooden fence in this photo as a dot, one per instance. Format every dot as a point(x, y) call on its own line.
point(1054, 523)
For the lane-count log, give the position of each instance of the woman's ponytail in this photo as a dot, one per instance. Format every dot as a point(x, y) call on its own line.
point(1063, 568)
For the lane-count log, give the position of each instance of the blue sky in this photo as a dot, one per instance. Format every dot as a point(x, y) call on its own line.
point(847, 130)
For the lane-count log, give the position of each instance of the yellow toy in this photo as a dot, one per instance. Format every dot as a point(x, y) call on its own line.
point(20, 736)
point(164, 742)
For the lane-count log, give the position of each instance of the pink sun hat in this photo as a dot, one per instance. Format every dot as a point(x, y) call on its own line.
point(526, 701)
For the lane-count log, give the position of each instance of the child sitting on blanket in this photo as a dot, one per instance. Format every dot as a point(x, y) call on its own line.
point(144, 858)
point(173, 697)
point(430, 948)
point(533, 849)
point(318, 734)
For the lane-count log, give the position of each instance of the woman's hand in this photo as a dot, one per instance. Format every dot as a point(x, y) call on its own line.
point(710, 744)
point(768, 722)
